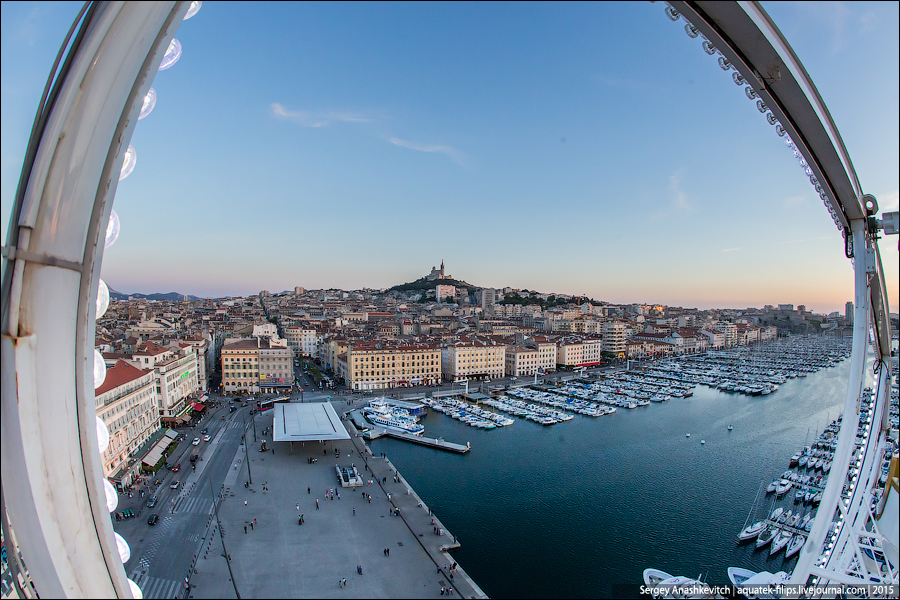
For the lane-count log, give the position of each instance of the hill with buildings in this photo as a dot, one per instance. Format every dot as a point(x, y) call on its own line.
point(429, 284)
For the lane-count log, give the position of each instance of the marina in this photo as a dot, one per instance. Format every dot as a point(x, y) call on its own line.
point(615, 495)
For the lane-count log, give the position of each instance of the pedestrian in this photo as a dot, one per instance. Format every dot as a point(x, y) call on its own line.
point(449, 591)
point(245, 529)
point(442, 590)
point(339, 495)
point(308, 491)
point(245, 503)
point(254, 521)
point(251, 525)
point(388, 550)
point(354, 512)
point(317, 504)
point(359, 569)
point(298, 507)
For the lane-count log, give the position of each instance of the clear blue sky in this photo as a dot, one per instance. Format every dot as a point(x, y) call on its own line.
point(588, 148)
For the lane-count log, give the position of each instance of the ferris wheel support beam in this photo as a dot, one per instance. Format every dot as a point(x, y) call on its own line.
point(751, 43)
point(52, 474)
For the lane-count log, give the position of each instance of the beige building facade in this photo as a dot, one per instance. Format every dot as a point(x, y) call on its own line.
point(128, 406)
point(387, 364)
point(472, 358)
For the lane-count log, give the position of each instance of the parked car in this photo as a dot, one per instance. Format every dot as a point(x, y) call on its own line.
point(153, 520)
point(174, 485)
point(151, 502)
point(206, 438)
point(196, 441)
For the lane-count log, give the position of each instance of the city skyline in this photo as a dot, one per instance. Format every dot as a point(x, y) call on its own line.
point(580, 149)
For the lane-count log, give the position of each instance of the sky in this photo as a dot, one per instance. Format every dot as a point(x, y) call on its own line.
point(585, 148)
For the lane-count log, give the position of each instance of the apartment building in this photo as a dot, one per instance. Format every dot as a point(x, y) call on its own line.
point(302, 340)
point(576, 351)
point(472, 357)
point(176, 372)
point(521, 360)
point(177, 378)
point(614, 336)
point(127, 405)
point(276, 369)
point(377, 365)
point(240, 366)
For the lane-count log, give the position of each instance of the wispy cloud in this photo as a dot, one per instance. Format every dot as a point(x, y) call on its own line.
point(454, 154)
point(677, 195)
point(888, 202)
point(309, 118)
point(815, 239)
point(830, 18)
point(793, 201)
point(732, 249)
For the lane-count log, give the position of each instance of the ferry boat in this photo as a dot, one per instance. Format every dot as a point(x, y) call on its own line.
point(392, 418)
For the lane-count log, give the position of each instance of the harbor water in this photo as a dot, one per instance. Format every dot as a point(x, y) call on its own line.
point(579, 509)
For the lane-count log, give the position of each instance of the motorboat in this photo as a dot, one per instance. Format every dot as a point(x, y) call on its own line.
point(653, 576)
point(772, 486)
point(765, 537)
point(776, 513)
point(780, 542)
point(752, 585)
point(783, 486)
point(795, 545)
point(730, 427)
point(391, 418)
point(738, 575)
point(792, 522)
point(785, 516)
point(752, 531)
point(682, 587)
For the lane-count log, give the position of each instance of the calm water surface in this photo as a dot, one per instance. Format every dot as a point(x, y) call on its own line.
point(580, 509)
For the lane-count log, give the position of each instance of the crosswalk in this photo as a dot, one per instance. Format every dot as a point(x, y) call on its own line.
point(157, 587)
point(151, 550)
point(201, 506)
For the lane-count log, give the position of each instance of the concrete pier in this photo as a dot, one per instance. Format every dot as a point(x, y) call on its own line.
point(373, 432)
point(383, 526)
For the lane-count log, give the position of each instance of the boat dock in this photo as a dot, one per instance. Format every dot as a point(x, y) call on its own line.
point(377, 432)
point(373, 433)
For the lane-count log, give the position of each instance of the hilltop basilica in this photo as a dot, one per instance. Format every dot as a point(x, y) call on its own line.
point(437, 273)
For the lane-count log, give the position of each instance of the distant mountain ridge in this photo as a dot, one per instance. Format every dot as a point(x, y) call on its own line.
point(170, 297)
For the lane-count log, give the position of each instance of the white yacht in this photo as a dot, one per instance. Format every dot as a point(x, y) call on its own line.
point(752, 531)
point(795, 545)
point(654, 576)
point(781, 540)
point(392, 418)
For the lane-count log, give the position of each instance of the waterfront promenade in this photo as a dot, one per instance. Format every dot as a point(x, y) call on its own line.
point(278, 558)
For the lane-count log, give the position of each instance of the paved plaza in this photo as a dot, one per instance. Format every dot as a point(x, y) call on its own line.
point(400, 556)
